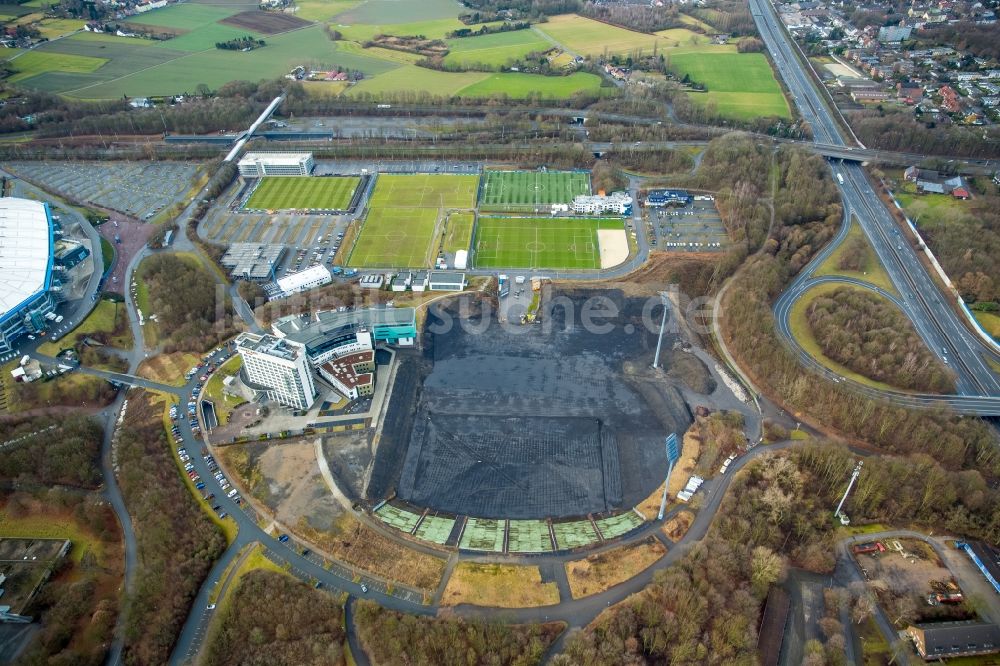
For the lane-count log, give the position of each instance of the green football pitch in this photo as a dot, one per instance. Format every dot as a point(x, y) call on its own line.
point(403, 213)
point(395, 238)
point(532, 188)
point(424, 190)
point(533, 242)
point(303, 192)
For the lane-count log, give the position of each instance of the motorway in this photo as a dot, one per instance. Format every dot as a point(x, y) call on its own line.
point(935, 320)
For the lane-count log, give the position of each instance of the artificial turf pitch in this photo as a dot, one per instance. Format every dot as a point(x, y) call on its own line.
point(303, 192)
point(532, 242)
point(532, 188)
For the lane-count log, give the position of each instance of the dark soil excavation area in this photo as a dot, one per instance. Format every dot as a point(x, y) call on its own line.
point(554, 419)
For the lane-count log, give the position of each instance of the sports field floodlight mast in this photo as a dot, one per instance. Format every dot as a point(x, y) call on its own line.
point(663, 325)
point(673, 454)
point(850, 484)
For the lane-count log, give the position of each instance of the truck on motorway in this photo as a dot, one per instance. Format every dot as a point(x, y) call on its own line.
point(840, 179)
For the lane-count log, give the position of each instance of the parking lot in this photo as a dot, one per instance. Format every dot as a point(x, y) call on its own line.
point(696, 227)
point(137, 189)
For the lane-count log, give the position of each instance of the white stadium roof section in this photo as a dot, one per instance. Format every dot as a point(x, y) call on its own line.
point(25, 251)
point(290, 159)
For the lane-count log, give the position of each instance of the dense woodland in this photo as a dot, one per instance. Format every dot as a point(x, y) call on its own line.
point(183, 295)
point(870, 335)
point(273, 619)
point(50, 477)
point(64, 455)
point(392, 638)
point(892, 129)
point(176, 542)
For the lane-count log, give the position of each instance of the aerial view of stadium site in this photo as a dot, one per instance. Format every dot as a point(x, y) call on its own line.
point(440, 332)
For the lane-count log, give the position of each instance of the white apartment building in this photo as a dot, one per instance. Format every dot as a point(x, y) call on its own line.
point(278, 367)
point(616, 202)
point(258, 165)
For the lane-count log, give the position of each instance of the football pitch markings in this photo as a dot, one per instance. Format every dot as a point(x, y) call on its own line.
point(403, 215)
point(532, 188)
point(303, 192)
point(531, 242)
point(424, 190)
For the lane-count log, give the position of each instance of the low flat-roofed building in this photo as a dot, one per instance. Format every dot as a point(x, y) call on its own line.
point(328, 334)
point(352, 374)
point(304, 280)
point(446, 281)
point(420, 280)
point(371, 281)
point(252, 261)
point(940, 640)
point(402, 281)
point(660, 198)
point(258, 165)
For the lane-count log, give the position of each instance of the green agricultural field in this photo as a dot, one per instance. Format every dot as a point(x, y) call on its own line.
point(417, 79)
point(476, 84)
point(184, 16)
point(458, 232)
point(395, 238)
point(303, 192)
point(588, 37)
point(206, 37)
point(496, 49)
point(401, 11)
point(424, 190)
point(320, 10)
point(36, 62)
point(741, 85)
point(215, 67)
point(519, 85)
point(531, 242)
point(519, 189)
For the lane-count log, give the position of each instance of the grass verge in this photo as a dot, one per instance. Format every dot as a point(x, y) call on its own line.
point(872, 271)
point(498, 586)
point(600, 572)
